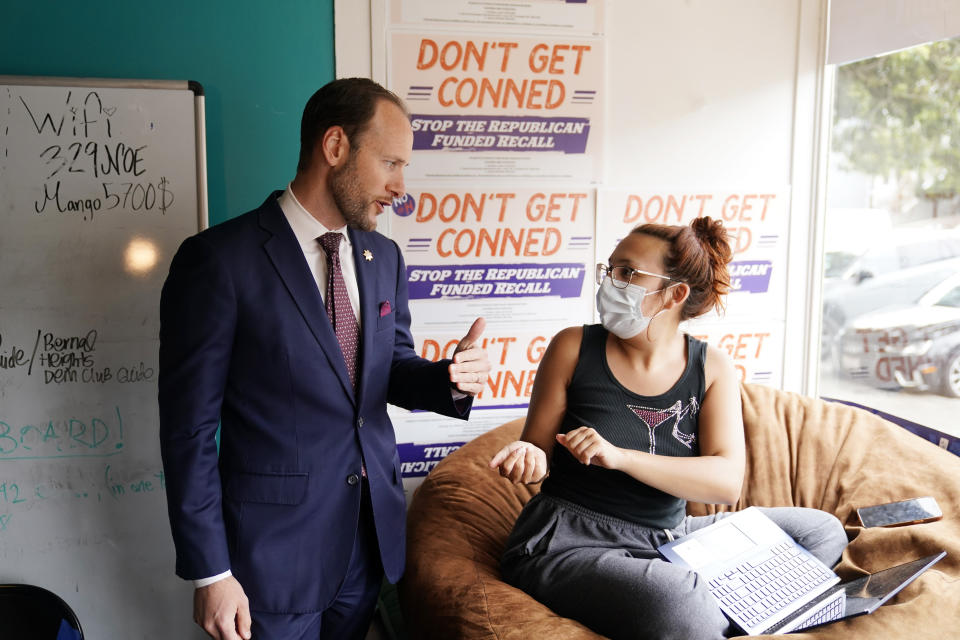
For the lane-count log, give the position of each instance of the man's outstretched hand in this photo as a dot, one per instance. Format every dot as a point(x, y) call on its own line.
point(470, 366)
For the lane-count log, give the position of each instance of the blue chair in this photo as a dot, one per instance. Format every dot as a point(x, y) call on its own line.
point(29, 612)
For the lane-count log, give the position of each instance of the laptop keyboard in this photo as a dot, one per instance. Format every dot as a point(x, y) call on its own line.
point(757, 590)
point(833, 610)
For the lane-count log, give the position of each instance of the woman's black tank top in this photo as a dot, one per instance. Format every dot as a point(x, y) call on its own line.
point(664, 425)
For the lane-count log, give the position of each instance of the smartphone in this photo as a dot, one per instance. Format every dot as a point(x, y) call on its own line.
point(895, 514)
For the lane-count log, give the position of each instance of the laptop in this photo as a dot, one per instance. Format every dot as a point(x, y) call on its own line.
point(766, 583)
point(864, 595)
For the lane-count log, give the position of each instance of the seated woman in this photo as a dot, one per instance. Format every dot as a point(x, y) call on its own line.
point(647, 418)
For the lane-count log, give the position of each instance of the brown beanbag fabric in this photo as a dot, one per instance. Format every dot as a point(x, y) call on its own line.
point(800, 451)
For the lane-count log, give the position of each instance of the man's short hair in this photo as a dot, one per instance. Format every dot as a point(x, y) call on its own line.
point(349, 103)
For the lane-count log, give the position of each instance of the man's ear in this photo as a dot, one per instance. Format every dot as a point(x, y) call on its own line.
point(334, 146)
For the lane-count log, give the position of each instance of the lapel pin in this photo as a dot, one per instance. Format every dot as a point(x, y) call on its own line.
point(368, 255)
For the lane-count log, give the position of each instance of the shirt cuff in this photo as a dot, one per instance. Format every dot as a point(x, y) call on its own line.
point(203, 582)
point(457, 394)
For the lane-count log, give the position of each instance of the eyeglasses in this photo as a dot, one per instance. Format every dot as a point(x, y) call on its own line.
point(622, 275)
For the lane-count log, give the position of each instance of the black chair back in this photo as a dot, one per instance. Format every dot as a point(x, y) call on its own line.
point(29, 612)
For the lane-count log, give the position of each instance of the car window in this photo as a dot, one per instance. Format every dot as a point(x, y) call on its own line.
point(919, 253)
point(876, 261)
point(950, 299)
point(836, 262)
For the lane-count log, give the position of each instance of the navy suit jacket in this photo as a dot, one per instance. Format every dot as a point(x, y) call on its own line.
point(245, 344)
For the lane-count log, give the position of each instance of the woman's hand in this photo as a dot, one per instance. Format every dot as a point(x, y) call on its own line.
point(521, 461)
point(589, 447)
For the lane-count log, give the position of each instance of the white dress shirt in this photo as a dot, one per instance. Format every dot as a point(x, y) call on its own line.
point(308, 229)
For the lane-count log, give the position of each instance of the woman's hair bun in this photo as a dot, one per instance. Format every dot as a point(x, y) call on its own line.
point(698, 257)
point(713, 234)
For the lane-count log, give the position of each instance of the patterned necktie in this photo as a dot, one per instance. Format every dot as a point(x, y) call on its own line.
point(338, 305)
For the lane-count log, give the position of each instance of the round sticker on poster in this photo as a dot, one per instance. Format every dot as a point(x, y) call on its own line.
point(404, 206)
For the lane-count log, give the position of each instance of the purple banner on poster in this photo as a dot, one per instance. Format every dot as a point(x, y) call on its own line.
point(500, 133)
point(433, 282)
point(417, 460)
point(752, 276)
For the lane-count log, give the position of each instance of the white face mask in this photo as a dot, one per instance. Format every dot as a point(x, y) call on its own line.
point(620, 311)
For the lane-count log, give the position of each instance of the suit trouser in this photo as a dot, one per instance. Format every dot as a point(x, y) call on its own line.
point(606, 573)
point(351, 612)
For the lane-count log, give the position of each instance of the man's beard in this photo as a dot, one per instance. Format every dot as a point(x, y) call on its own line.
point(348, 196)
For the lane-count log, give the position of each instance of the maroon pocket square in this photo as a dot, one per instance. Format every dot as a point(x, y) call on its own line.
point(385, 308)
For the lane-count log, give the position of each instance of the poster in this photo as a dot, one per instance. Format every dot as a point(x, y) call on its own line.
point(756, 221)
point(522, 259)
point(751, 328)
point(515, 256)
point(485, 106)
point(507, 102)
point(581, 17)
point(755, 348)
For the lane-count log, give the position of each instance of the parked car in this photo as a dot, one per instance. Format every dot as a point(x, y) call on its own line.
point(847, 300)
point(910, 347)
point(897, 250)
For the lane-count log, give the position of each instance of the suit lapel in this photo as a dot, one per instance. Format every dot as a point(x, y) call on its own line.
point(287, 257)
point(366, 282)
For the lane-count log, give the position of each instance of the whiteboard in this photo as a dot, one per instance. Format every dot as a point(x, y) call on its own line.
point(100, 182)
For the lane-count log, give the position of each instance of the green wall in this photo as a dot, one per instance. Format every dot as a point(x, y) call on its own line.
point(258, 62)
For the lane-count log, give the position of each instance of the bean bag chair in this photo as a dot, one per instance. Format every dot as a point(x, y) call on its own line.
point(801, 451)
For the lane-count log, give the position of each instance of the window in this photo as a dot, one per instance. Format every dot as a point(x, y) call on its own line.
point(891, 312)
point(951, 299)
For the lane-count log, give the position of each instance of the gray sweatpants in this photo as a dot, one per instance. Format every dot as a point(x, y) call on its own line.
point(606, 573)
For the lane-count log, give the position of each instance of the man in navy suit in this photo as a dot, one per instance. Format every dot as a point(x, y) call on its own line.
point(299, 515)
